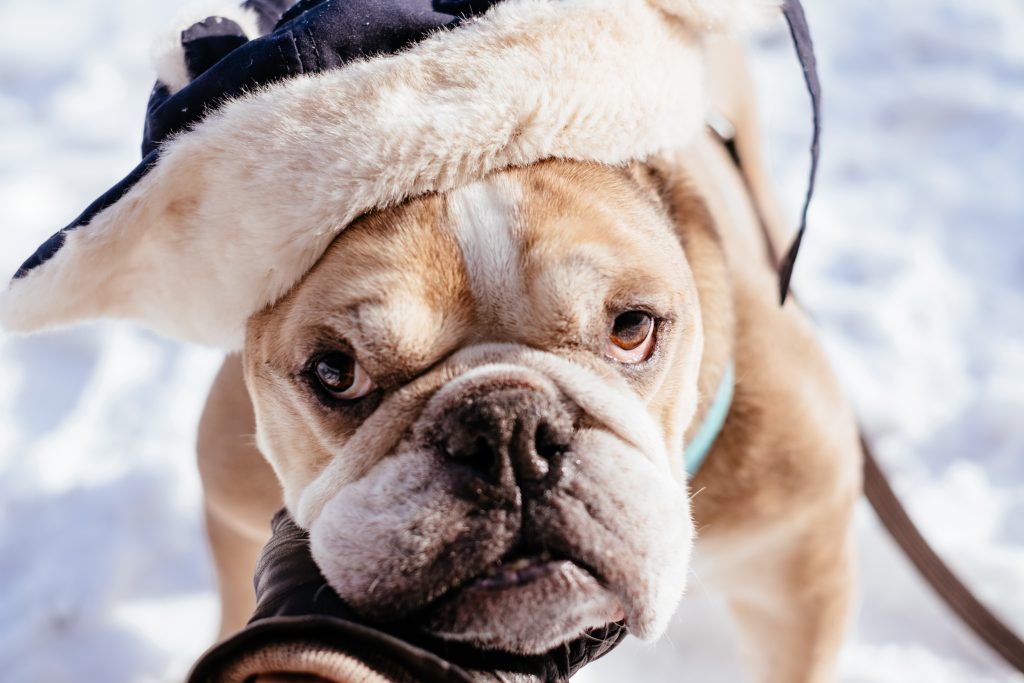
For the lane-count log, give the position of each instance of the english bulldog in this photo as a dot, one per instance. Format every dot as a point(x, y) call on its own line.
point(503, 318)
point(478, 400)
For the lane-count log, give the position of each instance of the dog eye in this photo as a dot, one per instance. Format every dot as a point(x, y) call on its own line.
point(341, 376)
point(631, 339)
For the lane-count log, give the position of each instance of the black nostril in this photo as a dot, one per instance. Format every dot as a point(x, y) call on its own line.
point(550, 442)
point(507, 436)
point(543, 441)
point(476, 454)
point(484, 459)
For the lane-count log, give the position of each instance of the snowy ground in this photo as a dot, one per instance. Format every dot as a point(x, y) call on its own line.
point(914, 268)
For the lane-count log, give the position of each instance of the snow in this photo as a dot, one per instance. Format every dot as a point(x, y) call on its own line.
point(913, 269)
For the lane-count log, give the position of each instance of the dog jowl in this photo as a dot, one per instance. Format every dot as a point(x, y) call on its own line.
point(476, 400)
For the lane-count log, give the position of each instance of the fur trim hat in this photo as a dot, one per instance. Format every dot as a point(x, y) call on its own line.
point(259, 150)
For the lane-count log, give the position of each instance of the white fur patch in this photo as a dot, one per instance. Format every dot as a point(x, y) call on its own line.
point(483, 215)
point(239, 208)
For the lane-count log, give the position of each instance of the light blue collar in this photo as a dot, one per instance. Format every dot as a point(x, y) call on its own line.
point(701, 443)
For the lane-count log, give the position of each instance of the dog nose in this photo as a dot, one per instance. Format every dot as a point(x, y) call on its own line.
point(513, 435)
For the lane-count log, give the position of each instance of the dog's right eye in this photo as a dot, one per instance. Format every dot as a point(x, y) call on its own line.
point(341, 376)
point(631, 339)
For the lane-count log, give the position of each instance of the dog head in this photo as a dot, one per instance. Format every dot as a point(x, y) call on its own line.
point(476, 401)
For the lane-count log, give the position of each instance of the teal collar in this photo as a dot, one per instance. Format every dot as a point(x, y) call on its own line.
point(700, 445)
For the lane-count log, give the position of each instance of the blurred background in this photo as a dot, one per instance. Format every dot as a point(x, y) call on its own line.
point(913, 268)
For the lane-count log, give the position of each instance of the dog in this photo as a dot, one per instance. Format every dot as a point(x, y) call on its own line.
point(483, 319)
point(477, 402)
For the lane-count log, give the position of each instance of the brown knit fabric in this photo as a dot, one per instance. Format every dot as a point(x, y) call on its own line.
point(299, 658)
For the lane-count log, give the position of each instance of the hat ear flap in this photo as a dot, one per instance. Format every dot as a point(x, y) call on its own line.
point(122, 262)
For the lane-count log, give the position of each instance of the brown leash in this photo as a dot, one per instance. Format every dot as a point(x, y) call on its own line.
point(879, 493)
point(953, 592)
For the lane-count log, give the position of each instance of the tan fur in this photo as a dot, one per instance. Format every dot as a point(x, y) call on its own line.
point(776, 493)
point(239, 489)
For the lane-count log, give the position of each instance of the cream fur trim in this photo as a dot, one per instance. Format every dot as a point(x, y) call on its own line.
point(240, 208)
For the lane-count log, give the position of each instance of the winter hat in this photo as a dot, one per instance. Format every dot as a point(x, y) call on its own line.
point(271, 130)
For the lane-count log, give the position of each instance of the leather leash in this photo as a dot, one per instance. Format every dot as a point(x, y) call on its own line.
point(986, 625)
point(953, 592)
point(801, 34)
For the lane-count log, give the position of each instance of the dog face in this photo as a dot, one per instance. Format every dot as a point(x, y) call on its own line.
point(475, 402)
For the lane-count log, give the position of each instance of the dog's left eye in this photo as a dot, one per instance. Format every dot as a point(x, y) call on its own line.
point(631, 339)
point(341, 376)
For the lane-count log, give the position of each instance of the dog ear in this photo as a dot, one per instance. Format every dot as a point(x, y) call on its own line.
point(668, 184)
point(694, 225)
point(651, 181)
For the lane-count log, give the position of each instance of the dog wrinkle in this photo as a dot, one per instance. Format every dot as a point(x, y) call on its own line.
point(406, 521)
point(640, 551)
point(363, 540)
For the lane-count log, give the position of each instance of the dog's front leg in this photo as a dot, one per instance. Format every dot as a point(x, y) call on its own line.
point(240, 491)
point(791, 599)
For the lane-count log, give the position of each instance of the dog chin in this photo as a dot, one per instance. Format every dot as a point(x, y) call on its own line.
point(529, 607)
